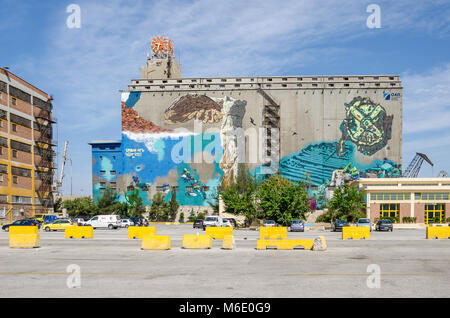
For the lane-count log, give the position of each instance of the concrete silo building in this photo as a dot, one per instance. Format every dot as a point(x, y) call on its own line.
point(188, 134)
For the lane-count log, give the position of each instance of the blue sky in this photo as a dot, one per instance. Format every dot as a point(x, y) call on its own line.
point(85, 68)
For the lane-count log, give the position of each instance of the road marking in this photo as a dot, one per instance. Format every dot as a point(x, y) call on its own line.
point(361, 274)
point(65, 273)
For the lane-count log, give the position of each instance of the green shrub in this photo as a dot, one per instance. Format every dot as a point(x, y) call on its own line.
point(201, 216)
point(181, 217)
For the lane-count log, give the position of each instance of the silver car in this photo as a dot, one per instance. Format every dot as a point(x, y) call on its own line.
point(126, 223)
point(364, 222)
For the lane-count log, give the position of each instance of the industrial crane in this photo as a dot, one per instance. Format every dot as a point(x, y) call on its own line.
point(63, 163)
point(414, 167)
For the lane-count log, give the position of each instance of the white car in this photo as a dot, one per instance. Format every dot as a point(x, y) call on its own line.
point(126, 223)
point(104, 221)
point(226, 223)
point(212, 220)
point(269, 223)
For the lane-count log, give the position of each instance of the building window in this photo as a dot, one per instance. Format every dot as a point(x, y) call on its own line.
point(113, 172)
point(434, 213)
point(14, 127)
point(431, 196)
point(390, 196)
point(15, 179)
point(102, 172)
point(14, 101)
point(14, 153)
point(390, 210)
point(1, 150)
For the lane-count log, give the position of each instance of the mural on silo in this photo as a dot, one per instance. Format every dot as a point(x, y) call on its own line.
point(365, 129)
point(165, 157)
point(157, 155)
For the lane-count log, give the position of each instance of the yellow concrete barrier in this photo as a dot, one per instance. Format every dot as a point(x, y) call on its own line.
point(355, 232)
point(23, 230)
point(228, 242)
point(156, 242)
point(218, 232)
point(270, 233)
point(29, 240)
point(438, 232)
point(197, 241)
point(79, 232)
point(307, 244)
point(139, 231)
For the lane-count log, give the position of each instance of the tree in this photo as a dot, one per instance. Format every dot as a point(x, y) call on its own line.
point(108, 204)
point(201, 215)
point(181, 219)
point(281, 200)
point(173, 206)
point(83, 206)
point(347, 203)
point(57, 206)
point(135, 203)
point(159, 210)
point(239, 195)
point(191, 217)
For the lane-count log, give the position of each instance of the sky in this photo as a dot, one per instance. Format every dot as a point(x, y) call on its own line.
point(84, 68)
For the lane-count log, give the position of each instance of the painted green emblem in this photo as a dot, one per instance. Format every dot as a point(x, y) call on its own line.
point(366, 125)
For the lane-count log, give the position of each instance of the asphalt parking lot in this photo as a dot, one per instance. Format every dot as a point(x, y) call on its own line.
point(111, 265)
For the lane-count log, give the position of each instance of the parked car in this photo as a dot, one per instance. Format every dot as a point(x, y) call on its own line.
point(79, 221)
point(337, 225)
point(269, 223)
point(364, 222)
point(226, 223)
point(198, 224)
point(233, 221)
point(297, 226)
point(58, 225)
point(212, 220)
point(136, 221)
point(38, 222)
point(104, 221)
point(45, 218)
point(384, 225)
point(139, 221)
point(126, 223)
point(21, 223)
